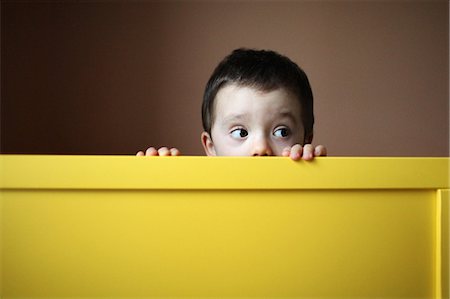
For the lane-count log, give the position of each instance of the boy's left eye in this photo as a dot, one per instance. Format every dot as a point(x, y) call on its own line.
point(281, 132)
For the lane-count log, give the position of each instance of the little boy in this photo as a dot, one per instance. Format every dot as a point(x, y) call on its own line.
point(256, 103)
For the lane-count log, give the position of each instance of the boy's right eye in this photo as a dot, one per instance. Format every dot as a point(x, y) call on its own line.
point(239, 133)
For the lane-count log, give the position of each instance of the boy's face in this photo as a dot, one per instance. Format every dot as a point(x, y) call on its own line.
point(249, 122)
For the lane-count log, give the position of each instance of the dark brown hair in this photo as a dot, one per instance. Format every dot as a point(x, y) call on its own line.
point(266, 71)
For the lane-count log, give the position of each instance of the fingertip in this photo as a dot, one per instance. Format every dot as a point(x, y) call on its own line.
point(295, 156)
point(151, 151)
point(308, 152)
point(320, 150)
point(297, 148)
point(174, 152)
point(308, 157)
point(163, 151)
point(140, 153)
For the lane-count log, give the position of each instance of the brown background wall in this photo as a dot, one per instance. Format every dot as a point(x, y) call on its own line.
point(112, 77)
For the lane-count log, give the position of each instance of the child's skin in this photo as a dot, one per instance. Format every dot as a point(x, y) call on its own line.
point(249, 122)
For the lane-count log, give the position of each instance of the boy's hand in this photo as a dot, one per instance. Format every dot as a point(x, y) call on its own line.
point(163, 151)
point(306, 152)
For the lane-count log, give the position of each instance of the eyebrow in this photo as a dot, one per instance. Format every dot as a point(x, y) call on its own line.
point(288, 114)
point(235, 118)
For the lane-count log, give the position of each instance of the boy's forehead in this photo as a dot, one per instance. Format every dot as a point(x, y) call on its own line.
point(242, 103)
point(233, 97)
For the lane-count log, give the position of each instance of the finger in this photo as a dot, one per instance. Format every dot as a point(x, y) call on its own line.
point(163, 151)
point(308, 152)
point(151, 151)
point(320, 150)
point(296, 152)
point(286, 151)
point(140, 153)
point(174, 152)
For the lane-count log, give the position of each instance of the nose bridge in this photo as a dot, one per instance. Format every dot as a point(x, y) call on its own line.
point(261, 146)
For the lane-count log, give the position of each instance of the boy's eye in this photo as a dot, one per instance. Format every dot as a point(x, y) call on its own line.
point(281, 132)
point(239, 133)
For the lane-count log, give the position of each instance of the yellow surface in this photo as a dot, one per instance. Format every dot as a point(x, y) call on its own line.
point(444, 200)
point(197, 227)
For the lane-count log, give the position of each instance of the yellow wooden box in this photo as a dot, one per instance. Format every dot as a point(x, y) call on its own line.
point(202, 227)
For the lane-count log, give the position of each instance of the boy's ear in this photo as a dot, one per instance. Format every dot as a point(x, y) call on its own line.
point(208, 145)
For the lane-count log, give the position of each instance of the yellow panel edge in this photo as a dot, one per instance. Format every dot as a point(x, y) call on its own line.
point(188, 172)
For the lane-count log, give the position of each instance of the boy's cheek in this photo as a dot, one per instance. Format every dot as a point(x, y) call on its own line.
point(228, 150)
point(232, 147)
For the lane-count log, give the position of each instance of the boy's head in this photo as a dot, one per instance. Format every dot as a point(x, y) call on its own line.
point(255, 103)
